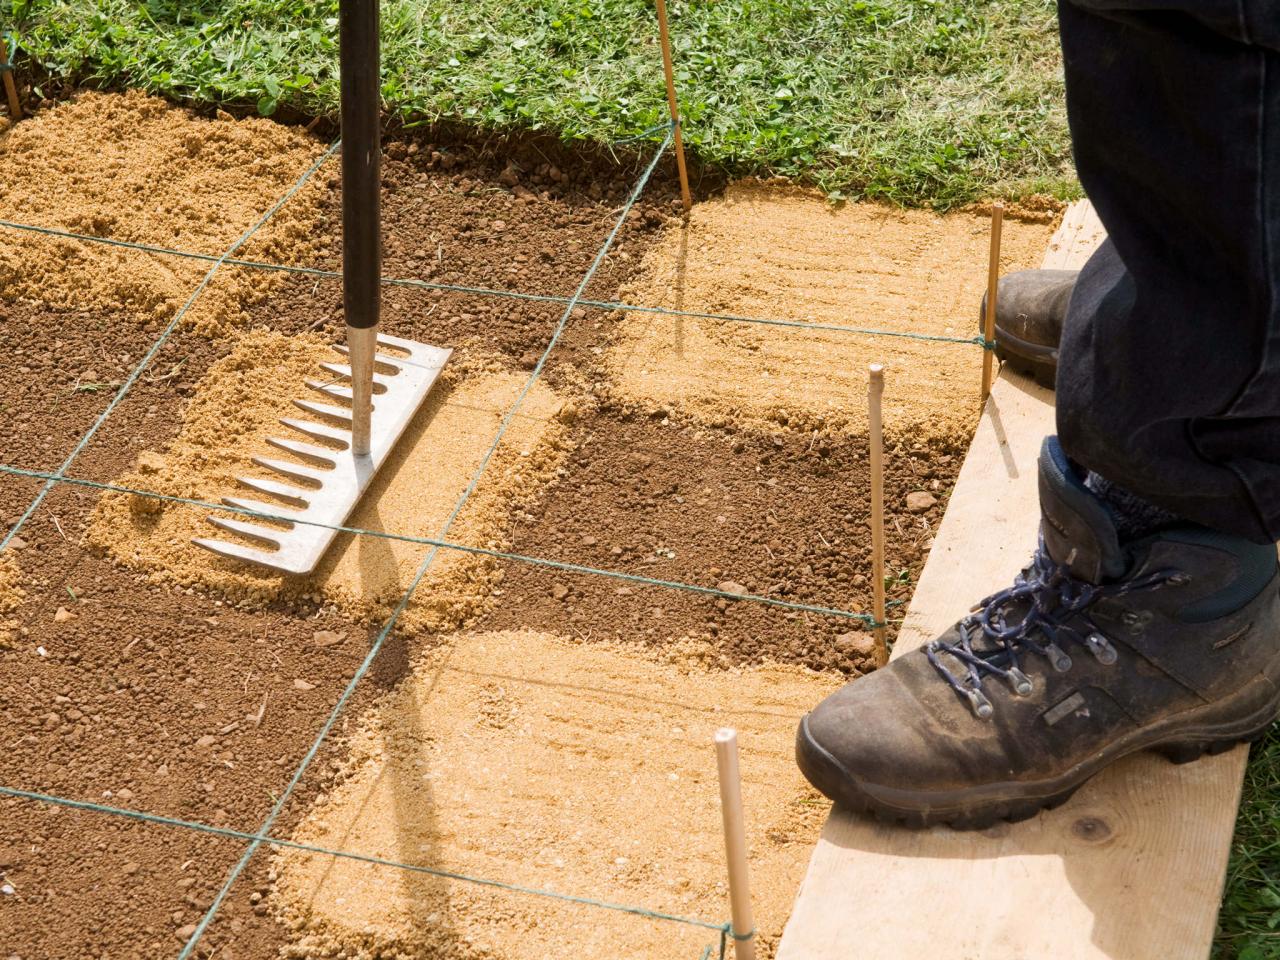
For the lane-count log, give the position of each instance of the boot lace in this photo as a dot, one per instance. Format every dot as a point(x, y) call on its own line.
point(1042, 612)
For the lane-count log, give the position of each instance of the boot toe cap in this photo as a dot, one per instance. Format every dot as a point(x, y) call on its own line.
point(898, 732)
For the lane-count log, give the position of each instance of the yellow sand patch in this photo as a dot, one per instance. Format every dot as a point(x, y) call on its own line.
point(237, 406)
point(584, 769)
point(785, 253)
point(132, 167)
point(11, 597)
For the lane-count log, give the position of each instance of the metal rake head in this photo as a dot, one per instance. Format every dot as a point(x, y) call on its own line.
point(316, 488)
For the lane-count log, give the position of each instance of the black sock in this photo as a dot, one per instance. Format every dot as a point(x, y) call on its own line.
point(1135, 517)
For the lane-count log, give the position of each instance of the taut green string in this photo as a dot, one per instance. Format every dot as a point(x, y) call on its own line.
point(505, 294)
point(198, 827)
point(567, 567)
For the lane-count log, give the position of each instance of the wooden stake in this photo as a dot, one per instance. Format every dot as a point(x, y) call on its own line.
point(875, 392)
point(993, 283)
point(10, 88)
point(735, 843)
point(672, 105)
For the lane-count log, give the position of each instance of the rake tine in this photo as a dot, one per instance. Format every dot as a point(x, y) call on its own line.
point(337, 369)
point(277, 489)
point(330, 389)
point(325, 410)
point(266, 558)
point(295, 471)
point(395, 363)
point(343, 372)
point(299, 449)
point(319, 431)
point(257, 506)
point(254, 530)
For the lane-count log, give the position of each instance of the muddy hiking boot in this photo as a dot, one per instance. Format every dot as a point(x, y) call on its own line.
point(1030, 308)
point(1169, 642)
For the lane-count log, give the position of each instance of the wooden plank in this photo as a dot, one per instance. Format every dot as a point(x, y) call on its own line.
point(1131, 868)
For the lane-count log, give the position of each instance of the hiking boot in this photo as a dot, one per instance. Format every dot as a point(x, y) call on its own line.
point(1030, 308)
point(1100, 648)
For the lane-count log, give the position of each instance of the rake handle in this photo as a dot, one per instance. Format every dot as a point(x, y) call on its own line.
point(359, 62)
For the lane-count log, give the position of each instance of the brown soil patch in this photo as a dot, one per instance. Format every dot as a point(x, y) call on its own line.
point(237, 405)
point(528, 759)
point(60, 370)
point(460, 216)
point(784, 253)
point(782, 515)
point(132, 167)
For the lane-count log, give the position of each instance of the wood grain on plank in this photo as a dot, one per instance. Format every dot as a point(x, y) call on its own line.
point(1130, 869)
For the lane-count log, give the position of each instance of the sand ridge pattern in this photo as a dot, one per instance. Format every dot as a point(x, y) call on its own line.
point(582, 768)
point(236, 407)
point(132, 167)
point(785, 253)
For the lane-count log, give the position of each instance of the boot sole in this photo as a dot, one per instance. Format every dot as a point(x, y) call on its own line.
point(1181, 739)
point(1030, 359)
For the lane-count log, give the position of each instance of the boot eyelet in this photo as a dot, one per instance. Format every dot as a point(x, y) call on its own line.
point(1058, 657)
point(1020, 682)
point(1101, 648)
point(978, 701)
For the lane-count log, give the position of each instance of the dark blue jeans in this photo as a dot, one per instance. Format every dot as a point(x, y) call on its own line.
point(1169, 373)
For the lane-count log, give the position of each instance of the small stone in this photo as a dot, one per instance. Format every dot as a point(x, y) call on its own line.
point(185, 933)
point(301, 684)
point(732, 586)
point(17, 543)
point(589, 541)
point(62, 615)
point(559, 591)
point(327, 638)
point(130, 868)
point(855, 645)
point(205, 742)
point(918, 501)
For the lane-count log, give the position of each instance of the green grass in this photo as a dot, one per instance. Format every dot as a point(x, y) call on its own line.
point(917, 101)
point(1249, 924)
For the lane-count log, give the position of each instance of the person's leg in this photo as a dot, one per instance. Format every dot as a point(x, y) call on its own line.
point(1169, 369)
point(1133, 628)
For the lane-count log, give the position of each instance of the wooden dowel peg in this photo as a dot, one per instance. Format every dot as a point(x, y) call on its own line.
point(875, 437)
point(735, 843)
point(993, 284)
point(10, 87)
point(672, 105)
